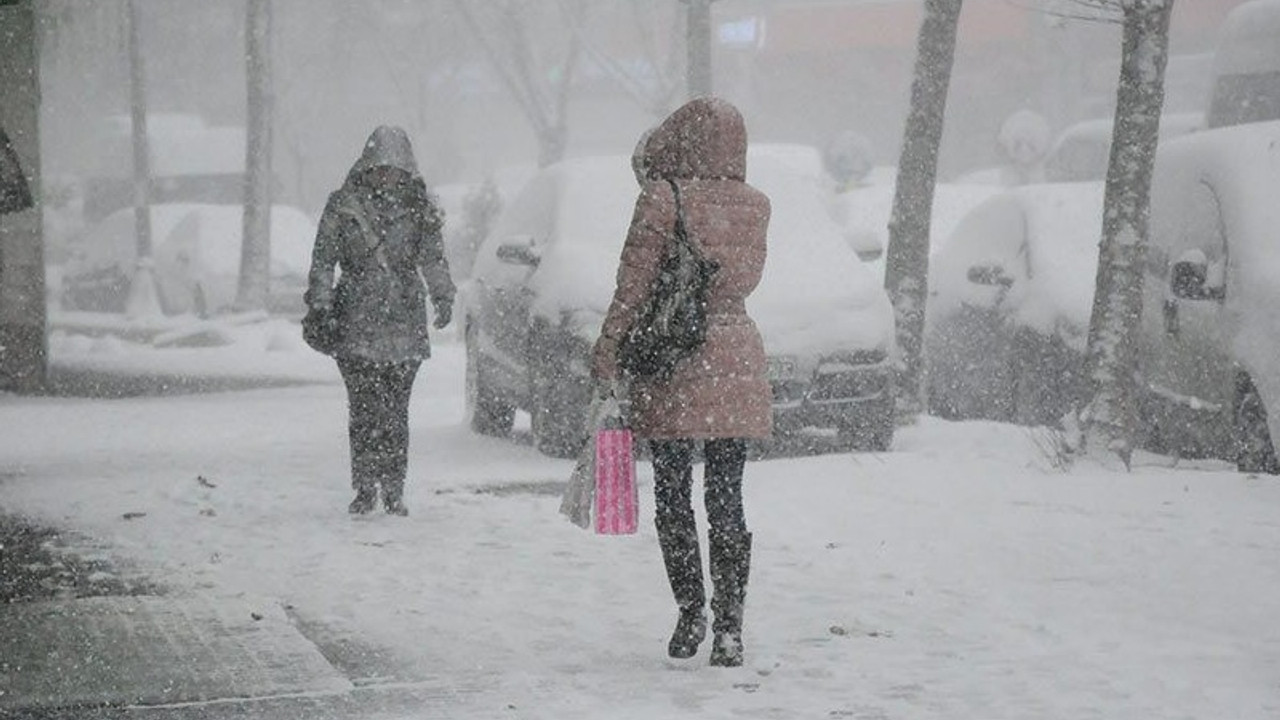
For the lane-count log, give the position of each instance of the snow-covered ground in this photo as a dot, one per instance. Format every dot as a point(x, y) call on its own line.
point(962, 575)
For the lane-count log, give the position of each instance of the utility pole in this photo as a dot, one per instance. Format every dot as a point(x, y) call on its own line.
point(698, 46)
point(143, 301)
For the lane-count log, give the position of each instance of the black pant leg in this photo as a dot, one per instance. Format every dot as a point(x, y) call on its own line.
point(361, 380)
point(398, 381)
point(674, 518)
point(730, 542)
point(725, 462)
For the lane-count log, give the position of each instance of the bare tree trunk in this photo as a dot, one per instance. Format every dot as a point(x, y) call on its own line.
point(907, 257)
point(255, 244)
point(1109, 413)
point(555, 138)
point(698, 46)
point(23, 344)
point(143, 301)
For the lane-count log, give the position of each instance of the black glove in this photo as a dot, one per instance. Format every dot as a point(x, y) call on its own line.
point(444, 313)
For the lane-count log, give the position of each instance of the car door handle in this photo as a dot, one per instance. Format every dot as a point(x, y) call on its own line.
point(1171, 325)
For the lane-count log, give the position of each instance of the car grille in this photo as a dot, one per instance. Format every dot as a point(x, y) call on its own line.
point(850, 376)
point(848, 382)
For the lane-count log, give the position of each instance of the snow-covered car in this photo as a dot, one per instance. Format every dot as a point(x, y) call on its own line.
point(1209, 359)
point(1082, 151)
point(864, 212)
point(1011, 289)
point(544, 278)
point(1010, 293)
point(195, 258)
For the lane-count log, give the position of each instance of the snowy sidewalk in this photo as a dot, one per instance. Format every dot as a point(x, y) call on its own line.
point(122, 651)
point(959, 576)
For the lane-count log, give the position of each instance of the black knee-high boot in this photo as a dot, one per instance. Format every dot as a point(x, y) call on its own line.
point(678, 538)
point(730, 567)
point(683, 560)
point(730, 547)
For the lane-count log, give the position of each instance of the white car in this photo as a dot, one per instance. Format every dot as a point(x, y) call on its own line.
point(544, 278)
point(1209, 360)
point(1082, 152)
point(196, 258)
point(1011, 289)
point(1010, 294)
point(864, 212)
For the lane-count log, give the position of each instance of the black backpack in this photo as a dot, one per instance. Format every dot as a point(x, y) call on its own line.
point(672, 325)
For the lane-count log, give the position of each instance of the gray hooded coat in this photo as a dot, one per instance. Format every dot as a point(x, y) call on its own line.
point(385, 243)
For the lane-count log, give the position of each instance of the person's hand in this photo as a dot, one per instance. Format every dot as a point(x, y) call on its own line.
point(444, 313)
point(605, 389)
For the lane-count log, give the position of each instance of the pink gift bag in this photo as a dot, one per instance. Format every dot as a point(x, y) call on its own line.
point(616, 495)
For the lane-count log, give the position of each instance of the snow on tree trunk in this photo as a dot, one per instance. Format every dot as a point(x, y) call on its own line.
point(907, 257)
point(255, 244)
point(1109, 412)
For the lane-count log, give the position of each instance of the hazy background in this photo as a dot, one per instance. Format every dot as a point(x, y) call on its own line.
point(801, 70)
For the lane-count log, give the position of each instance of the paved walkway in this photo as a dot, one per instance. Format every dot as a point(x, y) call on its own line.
point(159, 657)
point(83, 640)
point(154, 651)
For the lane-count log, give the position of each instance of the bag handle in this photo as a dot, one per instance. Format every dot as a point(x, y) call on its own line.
point(682, 228)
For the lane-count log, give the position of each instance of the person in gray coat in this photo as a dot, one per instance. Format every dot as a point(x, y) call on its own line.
point(382, 229)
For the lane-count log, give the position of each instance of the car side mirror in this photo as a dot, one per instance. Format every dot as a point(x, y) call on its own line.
point(866, 245)
point(521, 252)
point(1189, 281)
point(869, 254)
point(991, 275)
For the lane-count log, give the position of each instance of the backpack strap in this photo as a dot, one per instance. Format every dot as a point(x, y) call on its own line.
point(373, 243)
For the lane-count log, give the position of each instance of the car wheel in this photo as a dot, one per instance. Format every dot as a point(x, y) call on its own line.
point(558, 419)
point(869, 431)
point(1254, 452)
point(487, 415)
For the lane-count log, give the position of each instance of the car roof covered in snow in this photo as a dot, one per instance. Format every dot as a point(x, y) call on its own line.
point(815, 296)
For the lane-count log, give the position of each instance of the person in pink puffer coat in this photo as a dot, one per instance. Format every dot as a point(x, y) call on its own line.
point(720, 397)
